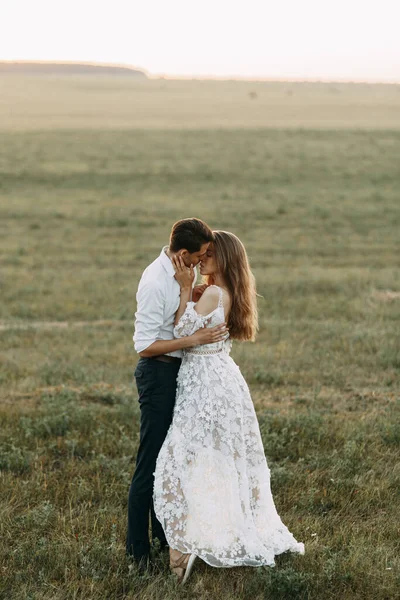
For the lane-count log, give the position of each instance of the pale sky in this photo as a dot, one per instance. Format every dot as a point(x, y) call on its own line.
point(328, 39)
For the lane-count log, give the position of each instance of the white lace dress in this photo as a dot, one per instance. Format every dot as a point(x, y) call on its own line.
point(212, 490)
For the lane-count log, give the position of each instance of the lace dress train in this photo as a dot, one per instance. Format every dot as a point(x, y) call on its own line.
point(212, 490)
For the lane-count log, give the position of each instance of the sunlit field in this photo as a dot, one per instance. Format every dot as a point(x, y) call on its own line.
point(93, 173)
point(99, 102)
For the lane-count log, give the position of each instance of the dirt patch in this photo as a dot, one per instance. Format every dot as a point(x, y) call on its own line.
point(385, 295)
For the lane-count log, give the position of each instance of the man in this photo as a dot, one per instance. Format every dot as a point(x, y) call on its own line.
point(158, 299)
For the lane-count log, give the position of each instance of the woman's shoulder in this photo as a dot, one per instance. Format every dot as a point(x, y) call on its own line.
point(215, 296)
point(209, 300)
point(217, 292)
point(212, 291)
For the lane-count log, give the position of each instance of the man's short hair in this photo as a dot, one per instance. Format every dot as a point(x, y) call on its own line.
point(190, 235)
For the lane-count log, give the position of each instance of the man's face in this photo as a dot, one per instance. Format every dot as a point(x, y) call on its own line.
point(195, 257)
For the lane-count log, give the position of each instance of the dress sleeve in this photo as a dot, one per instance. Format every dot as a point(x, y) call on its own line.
point(189, 322)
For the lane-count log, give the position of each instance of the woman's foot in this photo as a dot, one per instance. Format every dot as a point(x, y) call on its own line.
point(181, 564)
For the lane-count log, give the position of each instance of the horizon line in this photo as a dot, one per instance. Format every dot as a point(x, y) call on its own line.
point(208, 77)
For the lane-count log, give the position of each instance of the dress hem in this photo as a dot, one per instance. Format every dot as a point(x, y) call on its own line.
point(299, 550)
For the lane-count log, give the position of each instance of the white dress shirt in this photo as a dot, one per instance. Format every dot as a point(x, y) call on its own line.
point(158, 298)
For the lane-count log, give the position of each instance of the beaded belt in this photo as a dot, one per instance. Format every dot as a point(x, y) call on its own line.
point(204, 352)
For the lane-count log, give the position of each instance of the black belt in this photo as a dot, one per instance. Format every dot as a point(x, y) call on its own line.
point(168, 359)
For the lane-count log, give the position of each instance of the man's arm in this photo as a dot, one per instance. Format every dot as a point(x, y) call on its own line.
point(165, 346)
point(202, 336)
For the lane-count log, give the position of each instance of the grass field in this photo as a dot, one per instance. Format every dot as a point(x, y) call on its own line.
point(93, 172)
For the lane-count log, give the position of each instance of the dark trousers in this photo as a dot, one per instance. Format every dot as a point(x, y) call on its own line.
point(156, 384)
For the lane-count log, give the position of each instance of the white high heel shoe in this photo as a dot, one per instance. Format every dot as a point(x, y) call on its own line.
point(189, 568)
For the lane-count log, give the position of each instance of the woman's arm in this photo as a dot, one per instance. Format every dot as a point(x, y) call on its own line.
point(185, 278)
point(185, 298)
point(197, 317)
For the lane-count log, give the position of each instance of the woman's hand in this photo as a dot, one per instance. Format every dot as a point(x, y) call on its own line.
point(208, 335)
point(198, 291)
point(183, 274)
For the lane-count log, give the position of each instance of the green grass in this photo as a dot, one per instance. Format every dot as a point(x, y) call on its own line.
point(82, 212)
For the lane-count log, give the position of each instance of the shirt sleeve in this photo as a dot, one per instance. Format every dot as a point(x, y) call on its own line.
point(149, 315)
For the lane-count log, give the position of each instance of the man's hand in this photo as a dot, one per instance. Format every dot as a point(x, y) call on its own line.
point(198, 291)
point(183, 274)
point(209, 335)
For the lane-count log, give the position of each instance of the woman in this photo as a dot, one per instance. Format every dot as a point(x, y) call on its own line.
point(212, 490)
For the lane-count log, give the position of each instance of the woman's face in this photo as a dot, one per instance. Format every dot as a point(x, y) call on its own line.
point(208, 264)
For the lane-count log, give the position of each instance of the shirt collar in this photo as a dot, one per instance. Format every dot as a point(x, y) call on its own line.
point(166, 262)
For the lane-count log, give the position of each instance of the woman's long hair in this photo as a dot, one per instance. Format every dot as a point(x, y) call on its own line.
point(233, 266)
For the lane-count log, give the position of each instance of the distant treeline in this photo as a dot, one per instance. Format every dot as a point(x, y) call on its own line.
point(33, 68)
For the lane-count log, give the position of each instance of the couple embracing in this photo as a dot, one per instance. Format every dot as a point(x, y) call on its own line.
point(201, 474)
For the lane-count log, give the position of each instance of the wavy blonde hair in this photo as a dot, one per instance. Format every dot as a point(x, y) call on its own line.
point(233, 265)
